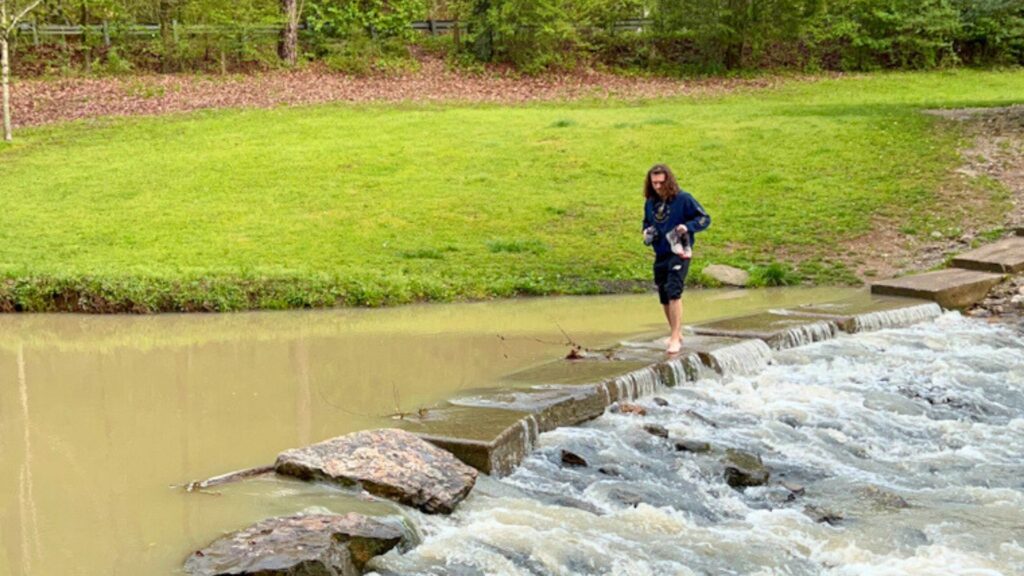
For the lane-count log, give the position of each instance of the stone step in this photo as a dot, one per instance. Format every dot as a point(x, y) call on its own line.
point(950, 288)
point(778, 328)
point(492, 430)
point(867, 311)
point(1003, 256)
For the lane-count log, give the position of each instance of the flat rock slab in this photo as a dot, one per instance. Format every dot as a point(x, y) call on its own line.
point(866, 311)
point(301, 544)
point(491, 440)
point(1003, 256)
point(778, 329)
point(951, 288)
point(551, 406)
point(389, 463)
point(586, 371)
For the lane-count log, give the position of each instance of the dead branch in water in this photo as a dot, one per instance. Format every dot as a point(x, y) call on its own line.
point(400, 414)
point(225, 478)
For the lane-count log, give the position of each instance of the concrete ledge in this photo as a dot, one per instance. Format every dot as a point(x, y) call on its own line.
point(951, 288)
point(778, 329)
point(868, 311)
point(492, 440)
point(1003, 256)
point(492, 430)
point(550, 407)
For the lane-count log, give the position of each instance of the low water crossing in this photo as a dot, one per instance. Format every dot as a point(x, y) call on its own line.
point(899, 452)
point(100, 415)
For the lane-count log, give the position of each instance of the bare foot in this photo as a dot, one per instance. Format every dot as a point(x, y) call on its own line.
point(674, 346)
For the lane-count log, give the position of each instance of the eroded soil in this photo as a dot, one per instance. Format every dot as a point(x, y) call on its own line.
point(991, 159)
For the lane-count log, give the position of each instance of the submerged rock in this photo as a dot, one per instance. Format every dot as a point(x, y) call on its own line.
point(883, 498)
point(744, 469)
point(388, 463)
point(794, 488)
point(626, 408)
point(656, 430)
point(660, 401)
point(573, 459)
point(698, 446)
point(301, 544)
point(611, 470)
point(820, 515)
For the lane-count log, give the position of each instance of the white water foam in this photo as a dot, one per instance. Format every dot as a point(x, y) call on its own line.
point(805, 334)
point(746, 357)
point(913, 438)
point(898, 318)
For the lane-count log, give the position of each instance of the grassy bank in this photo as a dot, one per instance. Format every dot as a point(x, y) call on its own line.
point(371, 205)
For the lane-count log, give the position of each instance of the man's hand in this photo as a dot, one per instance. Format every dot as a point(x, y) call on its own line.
point(681, 229)
point(649, 235)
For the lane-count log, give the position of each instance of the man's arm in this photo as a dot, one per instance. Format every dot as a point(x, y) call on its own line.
point(699, 219)
point(649, 232)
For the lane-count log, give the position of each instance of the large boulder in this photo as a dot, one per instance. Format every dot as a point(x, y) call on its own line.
point(389, 463)
point(727, 275)
point(298, 545)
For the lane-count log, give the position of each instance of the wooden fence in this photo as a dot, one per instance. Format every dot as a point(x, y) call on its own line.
point(41, 31)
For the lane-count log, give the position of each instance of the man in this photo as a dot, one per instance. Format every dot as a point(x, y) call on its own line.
point(671, 218)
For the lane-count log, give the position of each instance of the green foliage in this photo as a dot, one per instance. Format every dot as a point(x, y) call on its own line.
point(532, 34)
point(728, 34)
point(361, 56)
point(329, 19)
point(869, 34)
point(992, 31)
point(774, 274)
point(684, 37)
point(114, 64)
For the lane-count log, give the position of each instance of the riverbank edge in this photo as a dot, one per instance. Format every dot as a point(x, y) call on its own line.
point(141, 295)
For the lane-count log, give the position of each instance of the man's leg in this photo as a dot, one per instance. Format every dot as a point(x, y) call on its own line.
point(674, 314)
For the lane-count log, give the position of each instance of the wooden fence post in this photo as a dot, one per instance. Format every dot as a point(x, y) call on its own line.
point(106, 34)
point(35, 33)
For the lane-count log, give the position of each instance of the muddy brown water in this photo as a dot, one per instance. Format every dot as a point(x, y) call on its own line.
point(100, 416)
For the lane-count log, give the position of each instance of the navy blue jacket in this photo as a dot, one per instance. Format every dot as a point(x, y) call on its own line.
point(665, 216)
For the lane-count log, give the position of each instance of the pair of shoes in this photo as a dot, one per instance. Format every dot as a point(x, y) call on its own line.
point(680, 244)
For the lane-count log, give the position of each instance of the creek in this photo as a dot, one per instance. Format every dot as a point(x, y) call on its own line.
point(102, 417)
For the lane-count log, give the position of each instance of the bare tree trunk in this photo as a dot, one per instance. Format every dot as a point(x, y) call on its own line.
point(5, 80)
point(288, 45)
point(165, 12)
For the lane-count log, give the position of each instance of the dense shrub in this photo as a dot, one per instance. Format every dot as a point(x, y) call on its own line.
point(869, 34)
point(679, 36)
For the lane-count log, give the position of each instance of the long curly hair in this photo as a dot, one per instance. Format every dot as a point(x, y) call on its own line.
point(670, 180)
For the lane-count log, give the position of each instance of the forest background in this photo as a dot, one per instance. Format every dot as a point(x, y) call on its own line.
point(665, 37)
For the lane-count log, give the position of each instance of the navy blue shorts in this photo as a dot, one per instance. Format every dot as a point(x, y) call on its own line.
point(670, 275)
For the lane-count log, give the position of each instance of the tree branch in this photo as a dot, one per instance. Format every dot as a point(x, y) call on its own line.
point(26, 10)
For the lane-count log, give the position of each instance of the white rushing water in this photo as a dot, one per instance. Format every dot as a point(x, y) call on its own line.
point(910, 441)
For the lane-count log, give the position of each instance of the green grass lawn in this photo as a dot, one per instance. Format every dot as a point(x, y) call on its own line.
point(382, 204)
